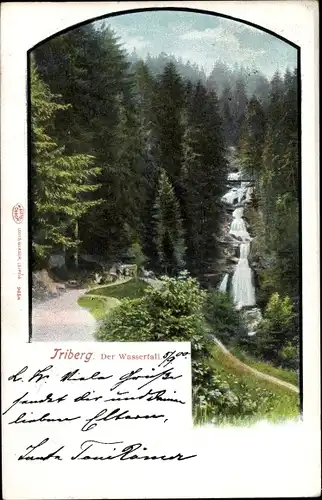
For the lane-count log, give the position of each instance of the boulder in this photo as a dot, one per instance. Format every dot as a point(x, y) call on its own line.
point(56, 261)
point(43, 286)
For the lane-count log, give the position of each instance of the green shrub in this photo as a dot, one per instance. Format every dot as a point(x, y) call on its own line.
point(224, 320)
point(277, 335)
point(128, 322)
point(170, 313)
point(175, 312)
point(135, 254)
point(289, 355)
point(226, 397)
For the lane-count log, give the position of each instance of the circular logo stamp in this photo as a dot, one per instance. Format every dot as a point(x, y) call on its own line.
point(18, 213)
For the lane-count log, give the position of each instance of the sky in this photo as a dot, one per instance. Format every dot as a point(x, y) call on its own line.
point(202, 39)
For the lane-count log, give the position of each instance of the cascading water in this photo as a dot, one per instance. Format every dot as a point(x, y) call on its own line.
point(242, 287)
point(223, 285)
point(238, 226)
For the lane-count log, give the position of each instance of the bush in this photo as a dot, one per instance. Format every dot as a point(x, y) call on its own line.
point(225, 396)
point(277, 335)
point(224, 320)
point(175, 312)
point(128, 322)
point(172, 312)
point(135, 255)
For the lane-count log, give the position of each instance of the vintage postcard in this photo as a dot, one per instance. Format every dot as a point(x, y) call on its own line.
point(160, 250)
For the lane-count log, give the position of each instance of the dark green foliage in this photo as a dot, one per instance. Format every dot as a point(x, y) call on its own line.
point(227, 115)
point(252, 138)
point(225, 322)
point(135, 123)
point(168, 126)
point(277, 338)
point(172, 312)
point(89, 69)
point(148, 140)
point(58, 180)
point(203, 177)
point(239, 105)
point(168, 230)
point(189, 71)
point(269, 151)
point(175, 313)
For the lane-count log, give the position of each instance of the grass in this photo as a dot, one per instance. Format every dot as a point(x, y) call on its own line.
point(284, 405)
point(98, 306)
point(100, 300)
point(286, 375)
point(132, 289)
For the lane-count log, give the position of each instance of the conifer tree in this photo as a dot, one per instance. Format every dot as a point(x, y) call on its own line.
point(276, 166)
point(225, 104)
point(144, 88)
point(168, 107)
point(168, 228)
point(239, 103)
point(88, 68)
point(58, 180)
point(252, 137)
point(204, 177)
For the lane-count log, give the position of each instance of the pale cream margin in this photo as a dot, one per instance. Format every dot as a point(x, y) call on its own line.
point(260, 462)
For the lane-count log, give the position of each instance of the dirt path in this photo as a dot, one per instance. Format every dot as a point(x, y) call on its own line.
point(257, 373)
point(62, 319)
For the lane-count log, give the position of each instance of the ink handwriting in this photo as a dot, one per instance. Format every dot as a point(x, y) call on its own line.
point(119, 399)
point(164, 375)
point(126, 452)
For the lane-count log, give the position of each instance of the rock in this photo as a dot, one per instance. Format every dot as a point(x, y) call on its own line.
point(233, 259)
point(72, 283)
point(98, 279)
point(251, 318)
point(56, 261)
point(43, 286)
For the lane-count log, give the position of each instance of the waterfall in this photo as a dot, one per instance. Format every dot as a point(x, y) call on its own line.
point(238, 226)
point(234, 176)
point(242, 289)
point(223, 285)
point(231, 196)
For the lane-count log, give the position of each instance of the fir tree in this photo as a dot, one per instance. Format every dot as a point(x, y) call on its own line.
point(168, 107)
point(168, 229)
point(252, 138)
point(89, 69)
point(276, 162)
point(58, 180)
point(204, 177)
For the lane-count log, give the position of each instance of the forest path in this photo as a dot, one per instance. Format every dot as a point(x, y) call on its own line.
point(257, 373)
point(61, 319)
point(237, 362)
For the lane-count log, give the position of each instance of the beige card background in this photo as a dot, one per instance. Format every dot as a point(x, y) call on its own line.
point(263, 461)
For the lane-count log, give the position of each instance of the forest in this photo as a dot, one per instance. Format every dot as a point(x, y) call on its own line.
point(129, 162)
